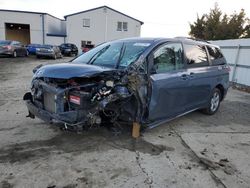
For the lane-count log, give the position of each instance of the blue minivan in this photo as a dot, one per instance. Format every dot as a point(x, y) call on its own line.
point(144, 80)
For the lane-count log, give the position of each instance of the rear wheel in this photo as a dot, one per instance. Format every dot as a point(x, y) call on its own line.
point(214, 102)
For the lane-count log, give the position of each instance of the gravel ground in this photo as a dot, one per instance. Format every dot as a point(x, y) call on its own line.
point(192, 151)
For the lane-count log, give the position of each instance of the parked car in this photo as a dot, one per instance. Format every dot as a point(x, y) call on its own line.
point(51, 51)
point(12, 48)
point(87, 47)
point(31, 48)
point(69, 49)
point(149, 81)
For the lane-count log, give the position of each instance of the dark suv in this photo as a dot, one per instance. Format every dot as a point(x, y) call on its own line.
point(68, 49)
point(144, 80)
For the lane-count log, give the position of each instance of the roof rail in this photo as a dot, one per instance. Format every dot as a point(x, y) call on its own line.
point(196, 39)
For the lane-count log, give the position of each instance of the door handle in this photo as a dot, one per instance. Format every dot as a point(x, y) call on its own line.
point(184, 76)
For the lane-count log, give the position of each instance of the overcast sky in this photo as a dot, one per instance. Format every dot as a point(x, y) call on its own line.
point(162, 18)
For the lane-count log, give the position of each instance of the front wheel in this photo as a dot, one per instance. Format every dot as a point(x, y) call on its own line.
point(214, 102)
point(14, 54)
point(27, 53)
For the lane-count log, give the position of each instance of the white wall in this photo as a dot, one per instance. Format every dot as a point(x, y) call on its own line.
point(96, 32)
point(134, 27)
point(230, 49)
point(76, 32)
point(72, 27)
point(54, 40)
point(34, 20)
point(54, 26)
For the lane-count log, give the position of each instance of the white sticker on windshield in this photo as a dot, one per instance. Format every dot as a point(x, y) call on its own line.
point(141, 44)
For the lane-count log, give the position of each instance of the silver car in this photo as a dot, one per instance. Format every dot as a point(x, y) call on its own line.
point(12, 48)
point(48, 51)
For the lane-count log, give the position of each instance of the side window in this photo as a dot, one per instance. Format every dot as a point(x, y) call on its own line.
point(196, 55)
point(215, 55)
point(168, 57)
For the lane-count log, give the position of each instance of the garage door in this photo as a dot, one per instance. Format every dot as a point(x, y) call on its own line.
point(18, 32)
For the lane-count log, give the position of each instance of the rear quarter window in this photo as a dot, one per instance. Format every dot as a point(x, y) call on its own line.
point(196, 55)
point(216, 56)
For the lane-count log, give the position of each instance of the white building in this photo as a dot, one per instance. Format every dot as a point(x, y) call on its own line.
point(92, 26)
point(99, 25)
point(31, 27)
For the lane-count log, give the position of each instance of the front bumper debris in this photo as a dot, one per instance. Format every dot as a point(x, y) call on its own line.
point(69, 117)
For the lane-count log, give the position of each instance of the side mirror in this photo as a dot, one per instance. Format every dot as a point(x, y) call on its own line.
point(151, 66)
point(36, 68)
point(153, 69)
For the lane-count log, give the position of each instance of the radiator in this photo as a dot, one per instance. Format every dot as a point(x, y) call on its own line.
point(49, 102)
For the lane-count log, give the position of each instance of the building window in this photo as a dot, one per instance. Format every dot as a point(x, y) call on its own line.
point(125, 26)
point(122, 26)
point(86, 22)
point(119, 26)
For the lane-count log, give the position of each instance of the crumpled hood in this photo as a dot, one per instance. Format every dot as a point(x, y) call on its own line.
point(69, 70)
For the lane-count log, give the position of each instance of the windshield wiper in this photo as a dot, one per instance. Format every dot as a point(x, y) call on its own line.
point(122, 52)
point(92, 60)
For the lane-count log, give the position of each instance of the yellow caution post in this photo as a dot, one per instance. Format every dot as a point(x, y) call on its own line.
point(136, 130)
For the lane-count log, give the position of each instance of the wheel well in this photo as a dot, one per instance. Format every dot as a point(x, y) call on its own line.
point(221, 88)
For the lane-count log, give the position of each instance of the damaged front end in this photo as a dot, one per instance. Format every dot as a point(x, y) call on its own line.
point(81, 103)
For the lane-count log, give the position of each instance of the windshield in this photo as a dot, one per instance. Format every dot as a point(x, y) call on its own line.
point(114, 54)
point(65, 45)
point(34, 45)
point(46, 46)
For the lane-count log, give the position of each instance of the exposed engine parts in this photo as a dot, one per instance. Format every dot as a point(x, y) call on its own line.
point(80, 102)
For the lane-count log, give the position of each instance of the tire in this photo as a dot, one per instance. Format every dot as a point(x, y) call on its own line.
point(14, 54)
point(214, 102)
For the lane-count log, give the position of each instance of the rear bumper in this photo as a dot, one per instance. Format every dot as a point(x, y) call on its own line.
point(67, 52)
point(45, 54)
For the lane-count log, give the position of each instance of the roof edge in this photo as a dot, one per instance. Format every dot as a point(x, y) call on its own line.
point(104, 7)
point(30, 12)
